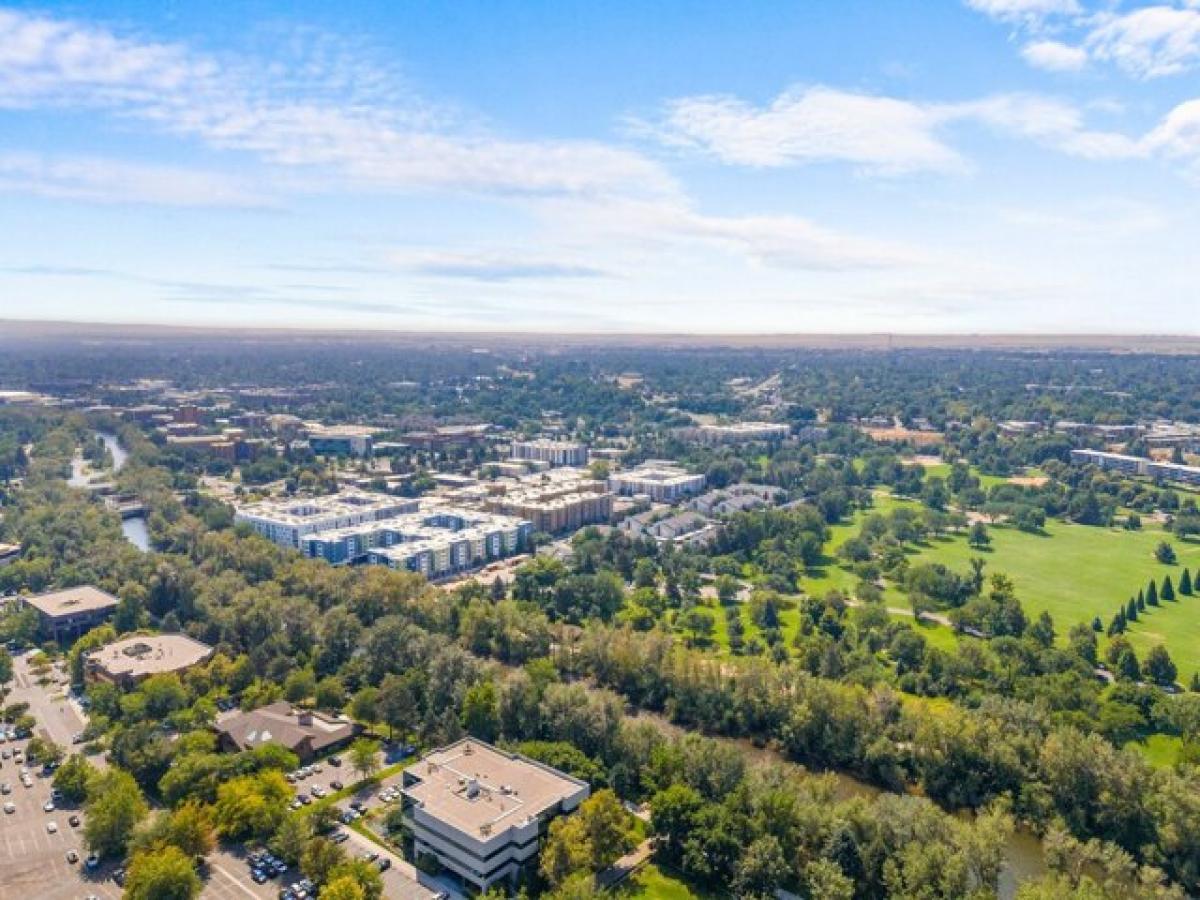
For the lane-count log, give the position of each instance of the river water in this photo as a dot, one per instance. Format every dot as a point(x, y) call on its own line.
point(134, 527)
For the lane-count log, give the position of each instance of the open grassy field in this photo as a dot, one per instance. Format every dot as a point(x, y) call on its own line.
point(1072, 571)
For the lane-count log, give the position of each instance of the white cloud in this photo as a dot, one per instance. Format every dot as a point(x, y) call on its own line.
point(107, 181)
point(1024, 11)
point(1149, 42)
point(49, 62)
point(493, 266)
point(1054, 56)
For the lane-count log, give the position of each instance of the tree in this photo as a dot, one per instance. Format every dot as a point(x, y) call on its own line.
point(481, 710)
point(498, 590)
point(330, 694)
point(609, 828)
point(190, 828)
point(1159, 666)
point(362, 873)
point(364, 757)
point(978, 537)
point(1131, 611)
point(1165, 553)
point(672, 814)
point(165, 874)
point(73, 778)
point(1185, 583)
point(727, 589)
point(115, 806)
point(825, 879)
point(6, 666)
point(319, 858)
point(761, 869)
point(44, 751)
point(1168, 590)
point(1152, 594)
point(344, 887)
point(252, 805)
point(365, 705)
point(1127, 666)
point(568, 850)
point(292, 836)
point(397, 703)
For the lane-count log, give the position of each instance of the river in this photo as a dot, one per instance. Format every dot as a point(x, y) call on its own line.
point(133, 527)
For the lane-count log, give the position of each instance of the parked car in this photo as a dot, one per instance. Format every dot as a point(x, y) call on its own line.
point(52, 827)
point(10, 808)
point(73, 821)
point(384, 864)
point(336, 785)
point(93, 861)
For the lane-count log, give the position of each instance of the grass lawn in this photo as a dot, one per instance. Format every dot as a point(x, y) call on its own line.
point(653, 883)
point(1160, 750)
point(1072, 571)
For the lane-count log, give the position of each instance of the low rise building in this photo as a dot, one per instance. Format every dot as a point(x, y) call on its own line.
point(288, 522)
point(684, 529)
point(341, 440)
point(660, 481)
point(735, 433)
point(480, 811)
point(1137, 465)
point(736, 498)
point(556, 453)
point(72, 611)
point(129, 661)
point(305, 732)
point(564, 500)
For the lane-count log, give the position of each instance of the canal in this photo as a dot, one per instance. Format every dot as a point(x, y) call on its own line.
point(133, 527)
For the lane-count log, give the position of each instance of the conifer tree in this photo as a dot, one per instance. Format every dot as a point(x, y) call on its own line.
point(1152, 594)
point(1097, 625)
point(1131, 611)
point(1195, 682)
point(1185, 583)
point(1168, 591)
point(1141, 602)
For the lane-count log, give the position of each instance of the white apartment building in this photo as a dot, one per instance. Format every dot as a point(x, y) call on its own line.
point(556, 453)
point(480, 811)
point(661, 482)
point(288, 522)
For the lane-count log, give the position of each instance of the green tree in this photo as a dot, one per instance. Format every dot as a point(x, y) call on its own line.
point(1185, 583)
point(978, 537)
point(362, 873)
point(365, 705)
point(1127, 666)
point(299, 685)
point(114, 807)
point(74, 776)
point(1160, 668)
point(1152, 594)
point(252, 805)
point(761, 869)
point(727, 589)
point(344, 887)
point(165, 874)
point(1131, 611)
point(330, 694)
point(824, 879)
point(673, 813)
point(1165, 553)
point(364, 757)
point(291, 837)
point(568, 850)
point(1168, 590)
point(319, 858)
point(481, 710)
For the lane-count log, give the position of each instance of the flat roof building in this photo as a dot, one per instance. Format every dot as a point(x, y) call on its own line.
point(556, 453)
point(480, 811)
point(659, 481)
point(128, 661)
point(1137, 465)
point(287, 522)
point(72, 611)
point(305, 732)
point(735, 433)
point(563, 500)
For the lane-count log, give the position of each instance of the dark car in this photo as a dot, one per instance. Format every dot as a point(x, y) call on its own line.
point(334, 760)
point(336, 785)
point(258, 876)
point(384, 864)
point(73, 821)
point(340, 838)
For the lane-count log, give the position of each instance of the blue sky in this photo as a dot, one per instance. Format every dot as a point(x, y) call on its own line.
point(829, 165)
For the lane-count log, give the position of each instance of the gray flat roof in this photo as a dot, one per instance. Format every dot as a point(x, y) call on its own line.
point(149, 655)
point(70, 601)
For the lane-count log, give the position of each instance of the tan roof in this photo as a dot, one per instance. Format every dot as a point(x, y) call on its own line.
point(281, 723)
point(479, 790)
point(72, 601)
point(144, 655)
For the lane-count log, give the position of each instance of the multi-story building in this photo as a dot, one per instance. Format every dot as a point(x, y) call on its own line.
point(563, 500)
point(129, 661)
point(556, 453)
point(436, 543)
point(288, 522)
point(1137, 465)
point(735, 433)
point(303, 731)
point(480, 811)
point(71, 612)
point(340, 440)
point(660, 481)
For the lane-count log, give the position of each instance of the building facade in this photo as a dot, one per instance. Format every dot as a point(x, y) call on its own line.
point(660, 482)
point(71, 612)
point(481, 811)
point(556, 453)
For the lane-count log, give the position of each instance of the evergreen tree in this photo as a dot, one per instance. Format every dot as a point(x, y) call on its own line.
point(1117, 625)
point(1097, 625)
point(1196, 682)
point(1168, 591)
point(1185, 583)
point(1141, 602)
point(1160, 668)
point(1152, 594)
point(1131, 612)
point(1127, 666)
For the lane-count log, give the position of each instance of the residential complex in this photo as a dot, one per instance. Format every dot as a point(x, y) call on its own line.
point(288, 522)
point(563, 500)
point(735, 433)
point(556, 453)
point(304, 732)
point(71, 612)
point(480, 811)
point(661, 481)
point(128, 661)
point(685, 528)
point(1137, 465)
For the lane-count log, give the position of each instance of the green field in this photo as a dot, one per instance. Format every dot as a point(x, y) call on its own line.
point(1072, 571)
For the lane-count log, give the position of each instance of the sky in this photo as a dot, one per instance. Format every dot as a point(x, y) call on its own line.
point(815, 166)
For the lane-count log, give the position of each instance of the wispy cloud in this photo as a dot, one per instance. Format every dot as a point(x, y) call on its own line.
point(493, 267)
point(1054, 56)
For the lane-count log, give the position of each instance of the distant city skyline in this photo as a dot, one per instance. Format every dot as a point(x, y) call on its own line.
point(1024, 166)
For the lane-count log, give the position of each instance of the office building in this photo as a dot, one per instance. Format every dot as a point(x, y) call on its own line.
point(340, 440)
point(481, 811)
point(556, 453)
point(660, 481)
point(735, 433)
point(71, 612)
point(129, 661)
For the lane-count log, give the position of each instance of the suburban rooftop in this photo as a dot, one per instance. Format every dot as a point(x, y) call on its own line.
point(84, 598)
point(149, 654)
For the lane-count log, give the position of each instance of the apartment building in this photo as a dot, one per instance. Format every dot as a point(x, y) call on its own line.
point(735, 433)
point(662, 482)
point(480, 811)
point(563, 500)
point(556, 453)
point(288, 522)
point(441, 542)
point(1137, 465)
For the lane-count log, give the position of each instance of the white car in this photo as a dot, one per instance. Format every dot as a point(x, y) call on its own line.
point(48, 806)
point(52, 827)
point(10, 808)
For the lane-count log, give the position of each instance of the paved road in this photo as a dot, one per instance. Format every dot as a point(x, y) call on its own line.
point(57, 716)
point(402, 880)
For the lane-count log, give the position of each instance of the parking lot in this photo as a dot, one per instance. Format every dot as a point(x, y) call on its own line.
point(33, 861)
